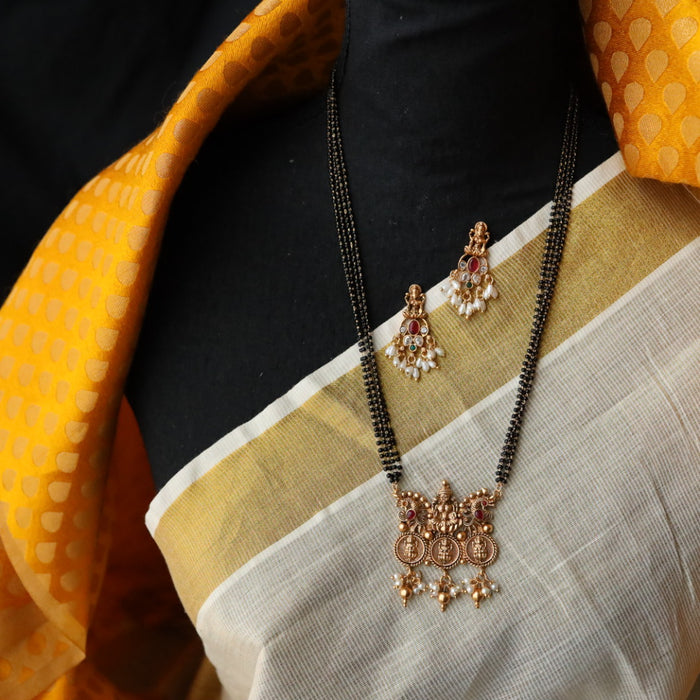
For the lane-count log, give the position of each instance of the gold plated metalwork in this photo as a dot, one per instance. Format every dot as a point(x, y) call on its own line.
point(480, 550)
point(410, 549)
point(436, 523)
point(471, 284)
point(413, 349)
point(445, 533)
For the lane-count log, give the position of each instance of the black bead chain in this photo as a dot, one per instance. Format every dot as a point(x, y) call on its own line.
point(551, 259)
point(347, 236)
point(350, 254)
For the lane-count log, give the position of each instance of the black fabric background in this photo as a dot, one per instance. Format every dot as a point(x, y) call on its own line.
point(81, 82)
point(249, 295)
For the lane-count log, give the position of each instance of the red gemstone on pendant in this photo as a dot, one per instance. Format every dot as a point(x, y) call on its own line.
point(473, 264)
point(414, 327)
point(410, 514)
point(479, 514)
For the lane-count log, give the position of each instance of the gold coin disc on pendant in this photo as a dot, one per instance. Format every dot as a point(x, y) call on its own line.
point(445, 552)
point(410, 549)
point(480, 550)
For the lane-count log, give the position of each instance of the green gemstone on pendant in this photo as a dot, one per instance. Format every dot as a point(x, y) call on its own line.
point(412, 348)
point(469, 285)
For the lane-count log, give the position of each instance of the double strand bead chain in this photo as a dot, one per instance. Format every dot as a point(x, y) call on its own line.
point(446, 533)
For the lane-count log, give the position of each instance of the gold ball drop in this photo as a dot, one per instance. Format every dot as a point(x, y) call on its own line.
point(488, 528)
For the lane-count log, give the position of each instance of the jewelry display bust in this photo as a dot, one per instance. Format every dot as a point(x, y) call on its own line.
point(276, 423)
point(452, 113)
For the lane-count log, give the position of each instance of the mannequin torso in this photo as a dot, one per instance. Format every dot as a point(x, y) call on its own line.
point(450, 113)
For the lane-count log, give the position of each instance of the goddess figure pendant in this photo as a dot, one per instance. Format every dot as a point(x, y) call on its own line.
point(471, 284)
point(444, 534)
point(413, 348)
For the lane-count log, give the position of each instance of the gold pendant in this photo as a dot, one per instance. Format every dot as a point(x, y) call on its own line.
point(471, 285)
point(413, 349)
point(444, 534)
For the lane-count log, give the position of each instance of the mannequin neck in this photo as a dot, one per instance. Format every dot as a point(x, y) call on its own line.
point(446, 105)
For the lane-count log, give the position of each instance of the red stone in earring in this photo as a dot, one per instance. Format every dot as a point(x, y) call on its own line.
point(471, 285)
point(413, 349)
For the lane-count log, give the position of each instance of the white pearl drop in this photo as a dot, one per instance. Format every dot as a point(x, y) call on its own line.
point(453, 591)
point(426, 367)
point(416, 373)
point(440, 351)
point(396, 362)
point(433, 587)
point(469, 590)
point(487, 292)
point(420, 587)
point(485, 591)
point(431, 354)
point(494, 291)
point(462, 308)
point(432, 363)
point(480, 305)
point(455, 284)
point(469, 310)
point(493, 587)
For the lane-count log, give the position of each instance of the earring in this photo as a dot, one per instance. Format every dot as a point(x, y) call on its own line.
point(471, 284)
point(413, 348)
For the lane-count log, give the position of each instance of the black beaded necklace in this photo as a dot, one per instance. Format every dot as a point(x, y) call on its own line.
point(446, 532)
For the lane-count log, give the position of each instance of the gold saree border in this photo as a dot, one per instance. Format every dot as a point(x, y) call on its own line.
point(325, 448)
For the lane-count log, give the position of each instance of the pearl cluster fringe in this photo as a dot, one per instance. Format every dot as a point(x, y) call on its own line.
point(454, 289)
point(413, 371)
